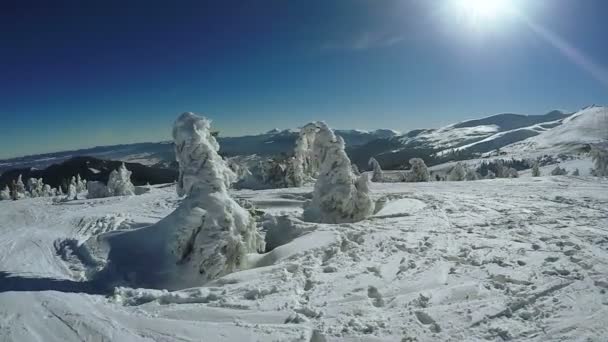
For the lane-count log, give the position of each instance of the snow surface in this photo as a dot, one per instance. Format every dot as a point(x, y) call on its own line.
point(504, 259)
point(588, 126)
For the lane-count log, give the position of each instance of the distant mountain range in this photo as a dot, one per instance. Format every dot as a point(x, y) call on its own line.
point(161, 154)
point(515, 134)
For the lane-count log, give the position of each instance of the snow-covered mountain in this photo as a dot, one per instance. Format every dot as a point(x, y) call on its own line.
point(161, 154)
point(586, 127)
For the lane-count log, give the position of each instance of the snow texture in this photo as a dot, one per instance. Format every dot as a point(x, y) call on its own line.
point(338, 195)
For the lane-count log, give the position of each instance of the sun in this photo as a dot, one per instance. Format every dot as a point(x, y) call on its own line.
point(482, 11)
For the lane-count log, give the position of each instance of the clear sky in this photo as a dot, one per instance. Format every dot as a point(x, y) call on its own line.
point(84, 73)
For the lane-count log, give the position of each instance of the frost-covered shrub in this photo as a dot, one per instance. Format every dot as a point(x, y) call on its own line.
point(5, 194)
point(119, 183)
point(377, 175)
point(600, 160)
point(338, 195)
point(419, 171)
point(558, 171)
point(97, 190)
point(458, 173)
point(535, 170)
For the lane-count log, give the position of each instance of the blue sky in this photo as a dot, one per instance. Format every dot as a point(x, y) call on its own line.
point(78, 74)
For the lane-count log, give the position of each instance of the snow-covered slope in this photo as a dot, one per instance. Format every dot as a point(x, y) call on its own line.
point(473, 131)
point(494, 260)
point(588, 126)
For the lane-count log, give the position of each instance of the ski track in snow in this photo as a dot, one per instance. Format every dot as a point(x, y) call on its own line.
point(492, 260)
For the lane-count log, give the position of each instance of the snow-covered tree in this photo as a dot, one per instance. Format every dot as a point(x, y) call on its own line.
point(72, 193)
point(47, 191)
point(576, 172)
point(377, 175)
point(81, 184)
point(294, 177)
point(20, 191)
point(490, 175)
point(600, 160)
point(119, 182)
point(419, 171)
point(338, 195)
point(5, 194)
point(227, 232)
point(305, 165)
point(97, 190)
point(458, 173)
point(535, 170)
point(558, 171)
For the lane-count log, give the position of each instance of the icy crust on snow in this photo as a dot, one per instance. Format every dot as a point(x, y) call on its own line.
point(206, 237)
point(339, 196)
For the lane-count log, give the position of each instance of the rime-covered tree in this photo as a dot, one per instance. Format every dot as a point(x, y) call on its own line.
point(207, 236)
point(535, 170)
point(119, 183)
point(377, 174)
point(19, 190)
point(458, 173)
point(339, 196)
point(419, 171)
point(81, 184)
point(303, 152)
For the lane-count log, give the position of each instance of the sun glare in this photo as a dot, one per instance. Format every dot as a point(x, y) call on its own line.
point(482, 11)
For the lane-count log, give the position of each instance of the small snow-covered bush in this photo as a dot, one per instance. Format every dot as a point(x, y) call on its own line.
point(558, 171)
point(5, 194)
point(419, 171)
point(119, 183)
point(458, 173)
point(377, 175)
point(576, 172)
point(339, 196)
